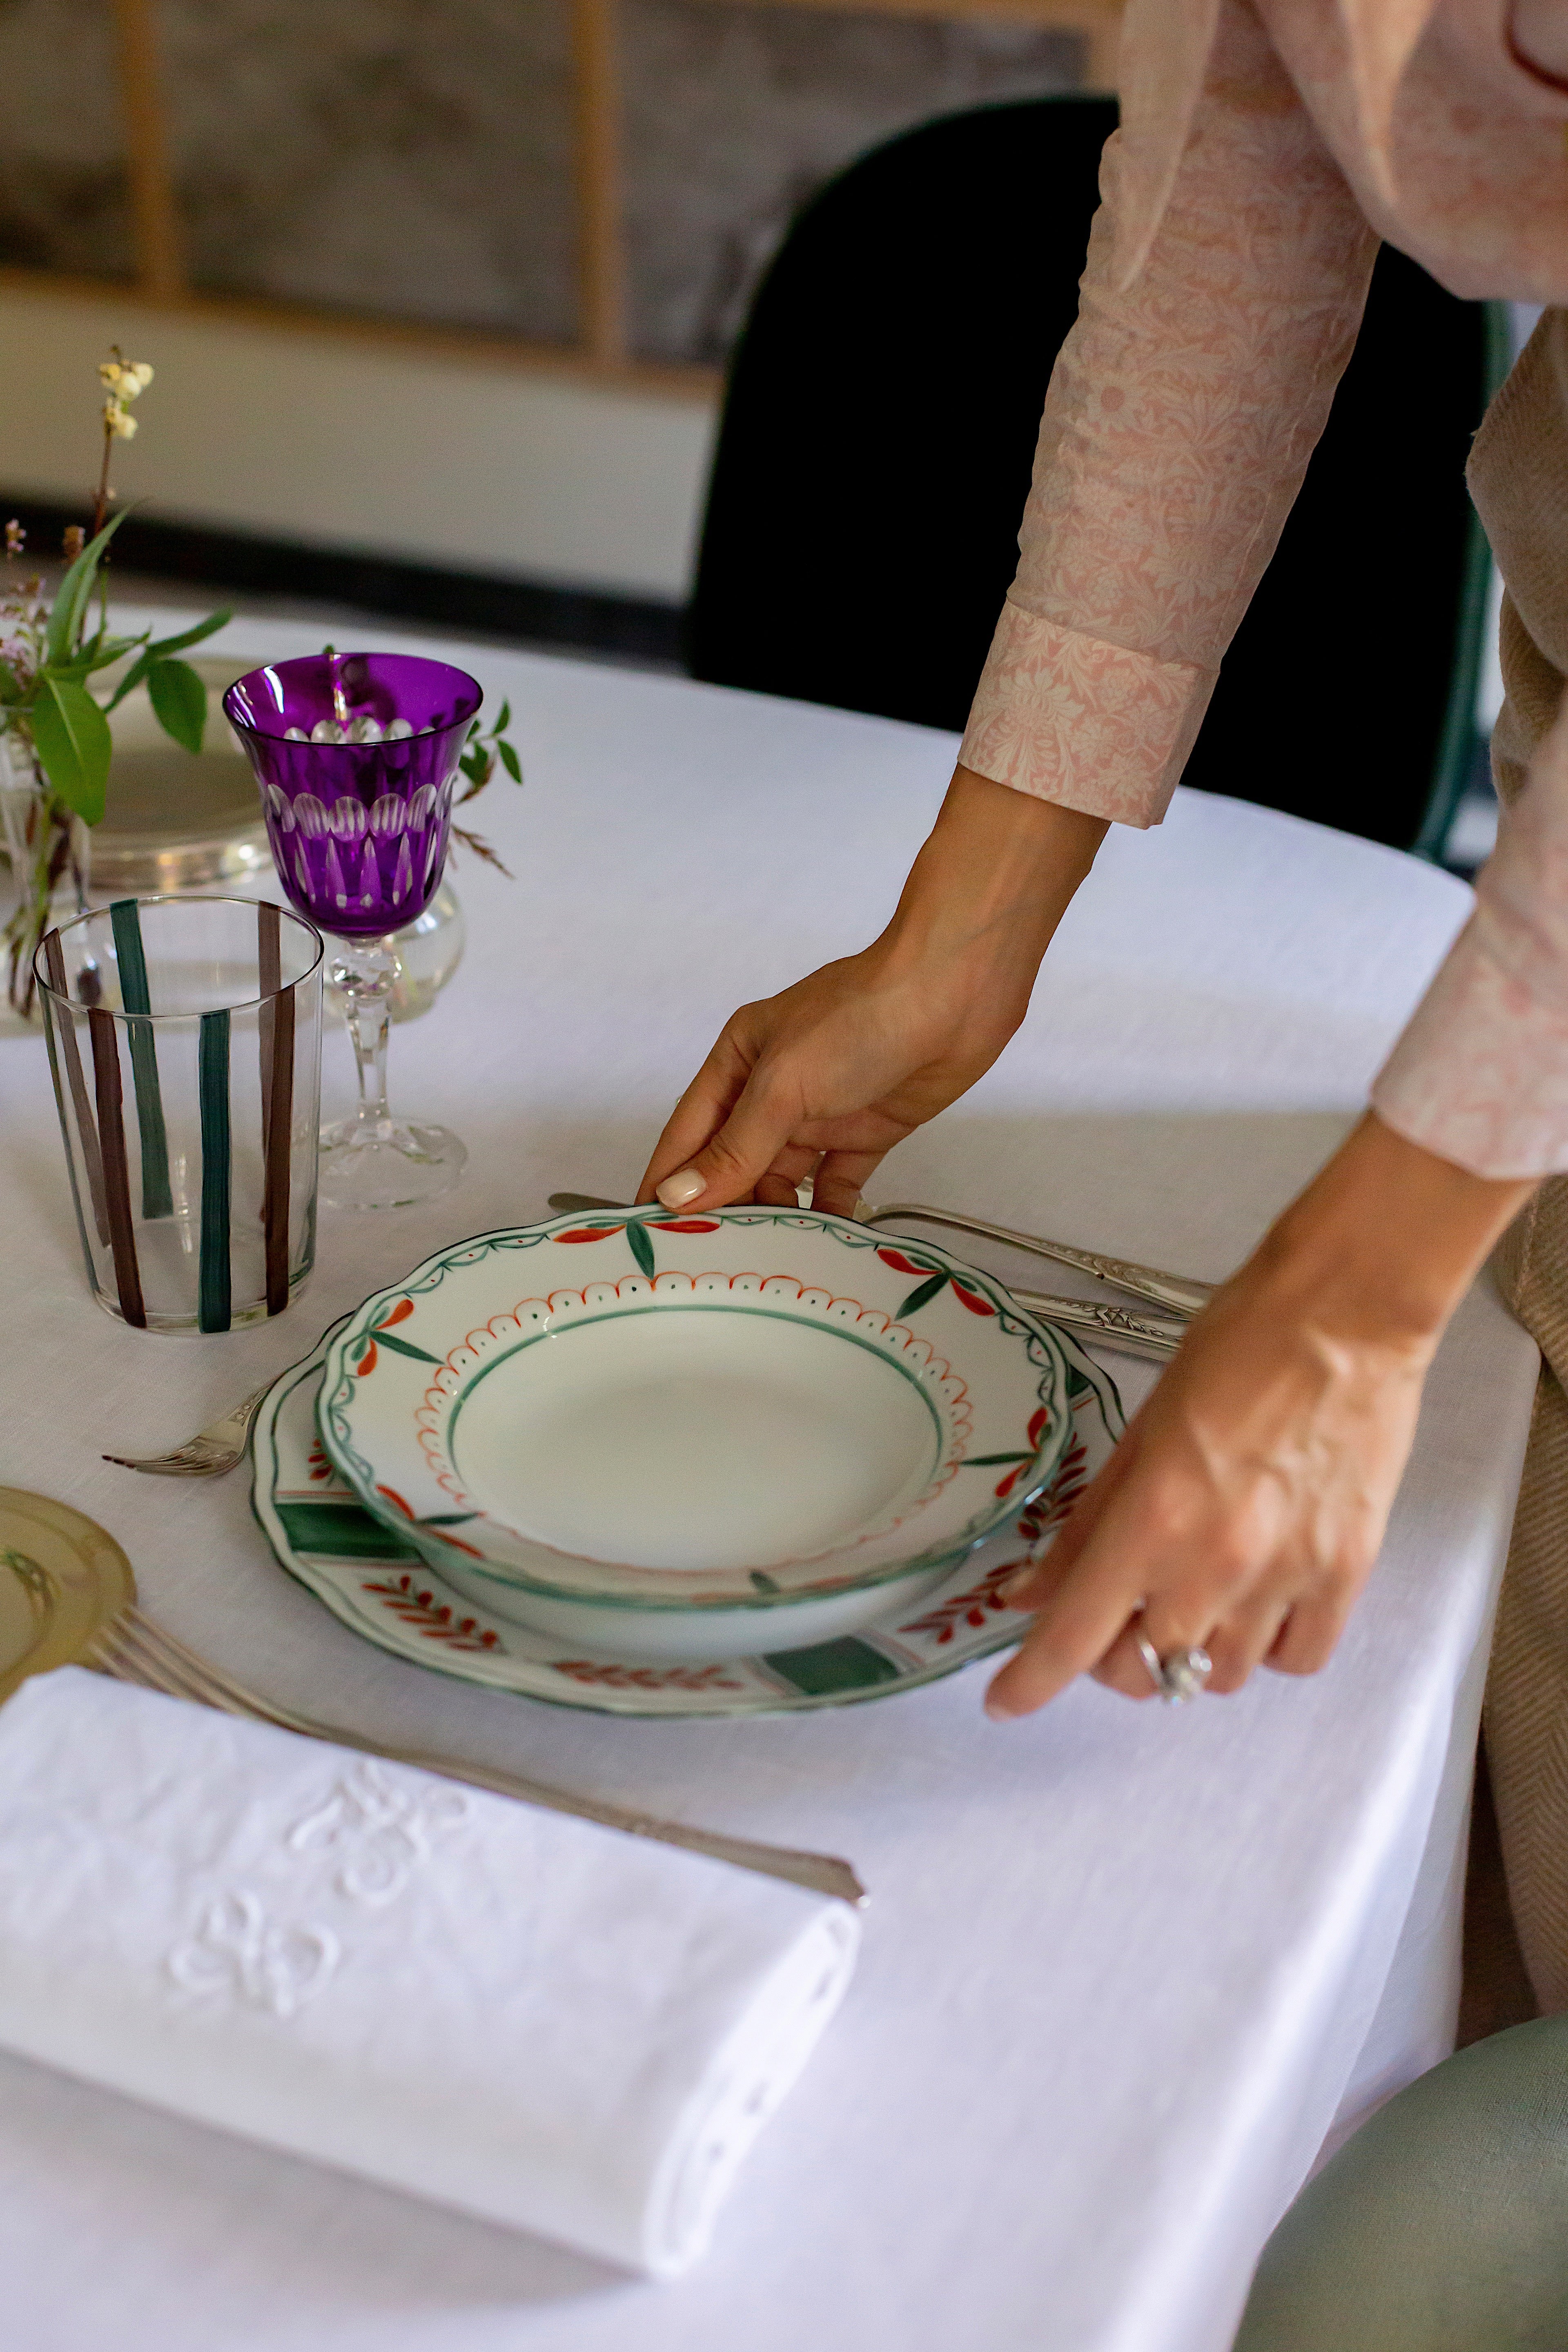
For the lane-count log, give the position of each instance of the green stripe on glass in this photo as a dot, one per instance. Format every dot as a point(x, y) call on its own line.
point(340, 1531)
point(135, 996)
point(214, 1294)
point(844, 1665)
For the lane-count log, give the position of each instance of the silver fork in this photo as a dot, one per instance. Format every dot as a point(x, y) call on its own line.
point(133, 1649)
point(210, 1454)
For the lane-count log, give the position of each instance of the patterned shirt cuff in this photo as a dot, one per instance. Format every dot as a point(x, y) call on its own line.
point(1089, 725)
point(1481, 1076)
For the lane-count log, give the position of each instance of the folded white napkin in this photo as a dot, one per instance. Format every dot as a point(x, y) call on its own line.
point(506, 2010)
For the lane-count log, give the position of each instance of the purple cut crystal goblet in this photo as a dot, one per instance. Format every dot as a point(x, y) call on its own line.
point(356, 755)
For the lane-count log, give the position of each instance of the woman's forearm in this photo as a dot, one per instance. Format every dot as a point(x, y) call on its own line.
point(1386, 1239)
point(993, 878)
point(825, 1078)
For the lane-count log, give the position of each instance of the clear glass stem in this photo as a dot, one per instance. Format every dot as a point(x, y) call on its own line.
point(372, 1161)
point(364, 973)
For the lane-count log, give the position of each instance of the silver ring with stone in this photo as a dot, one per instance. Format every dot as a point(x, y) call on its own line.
point(1179, 1674)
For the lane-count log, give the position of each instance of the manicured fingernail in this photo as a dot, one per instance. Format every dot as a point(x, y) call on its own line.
point(998, 1709)
point(1011, 1593)
point(683, 1186)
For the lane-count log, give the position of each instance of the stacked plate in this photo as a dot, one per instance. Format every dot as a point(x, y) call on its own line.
point(648, 1460)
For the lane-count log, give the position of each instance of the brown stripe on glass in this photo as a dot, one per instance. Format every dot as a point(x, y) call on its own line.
point(64, 1027)
point(116, 1175)
point(269, 979)
point(276, 1027)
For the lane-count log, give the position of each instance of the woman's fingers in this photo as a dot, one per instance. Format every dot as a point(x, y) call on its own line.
point(778, 1188)
point(841, 1177)
point(1076, 1625)
point(1239, 1643)
point(732, 1161)
point(1032, 1587)
point(701, 1110)
point(1310, 1634)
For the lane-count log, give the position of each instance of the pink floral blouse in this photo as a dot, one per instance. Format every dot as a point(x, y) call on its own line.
point(1266, 147)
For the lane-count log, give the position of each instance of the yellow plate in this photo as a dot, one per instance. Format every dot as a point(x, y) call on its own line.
point(62, 1579)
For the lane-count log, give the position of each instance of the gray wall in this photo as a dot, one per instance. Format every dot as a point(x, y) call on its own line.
point(413, 159)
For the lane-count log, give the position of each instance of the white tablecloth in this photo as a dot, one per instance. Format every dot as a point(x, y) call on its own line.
point(1125, 1969)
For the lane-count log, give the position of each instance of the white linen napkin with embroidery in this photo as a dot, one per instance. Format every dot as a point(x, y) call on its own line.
point(506, 2010)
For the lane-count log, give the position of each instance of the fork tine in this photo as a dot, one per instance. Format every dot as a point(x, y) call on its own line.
point(210, 1454)
point(209, 1681)
point(125, 1650)
point(192, 1460)
point(110, 1656)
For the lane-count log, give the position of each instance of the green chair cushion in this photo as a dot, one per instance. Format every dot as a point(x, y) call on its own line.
point(1442, 2226)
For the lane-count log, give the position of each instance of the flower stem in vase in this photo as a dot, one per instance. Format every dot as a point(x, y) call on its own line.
point(48, 847)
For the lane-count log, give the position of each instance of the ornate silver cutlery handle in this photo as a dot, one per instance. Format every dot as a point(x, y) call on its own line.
point(1178, 1292)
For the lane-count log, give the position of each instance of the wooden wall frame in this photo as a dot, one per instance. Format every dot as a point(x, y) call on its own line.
point(602, 352)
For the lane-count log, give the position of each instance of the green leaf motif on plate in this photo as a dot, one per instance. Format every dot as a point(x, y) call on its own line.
point(921, 1297)
point(641, 1247)
point(402, 1348)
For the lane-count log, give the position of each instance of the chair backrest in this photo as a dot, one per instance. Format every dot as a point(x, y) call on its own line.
point(874, 456)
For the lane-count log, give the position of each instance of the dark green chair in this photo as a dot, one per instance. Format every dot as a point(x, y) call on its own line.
point(1442, 2226)
point(875, 449)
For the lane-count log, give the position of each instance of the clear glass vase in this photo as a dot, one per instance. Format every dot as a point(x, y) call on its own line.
point(50, 854)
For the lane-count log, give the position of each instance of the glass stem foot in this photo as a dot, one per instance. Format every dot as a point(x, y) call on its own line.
point(372, 1161)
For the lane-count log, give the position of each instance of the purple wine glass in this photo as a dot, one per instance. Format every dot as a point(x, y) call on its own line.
point(356, 756)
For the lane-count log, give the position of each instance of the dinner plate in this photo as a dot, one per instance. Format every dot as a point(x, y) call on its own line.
point(377, 1582)
point(653, 1431)
point(61, 1580)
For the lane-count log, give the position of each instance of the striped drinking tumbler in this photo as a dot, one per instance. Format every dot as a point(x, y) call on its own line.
point(185, 1037)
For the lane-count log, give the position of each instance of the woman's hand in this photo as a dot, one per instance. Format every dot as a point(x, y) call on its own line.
point(1244, 1509)
point(829, 1075)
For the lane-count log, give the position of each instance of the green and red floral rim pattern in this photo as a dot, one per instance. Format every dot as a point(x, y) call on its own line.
point(378, 1326)
point(374, 1582)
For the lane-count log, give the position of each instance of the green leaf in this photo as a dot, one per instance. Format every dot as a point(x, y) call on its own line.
point(158, 648)
point(97, 655)
point(72, 735)
point(179, 700)
point(192, 636)
point(71, 595)
point(510, 762)
point(10, 684)
point(918, 1298)
point(504, 721)
point(641, 1247)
